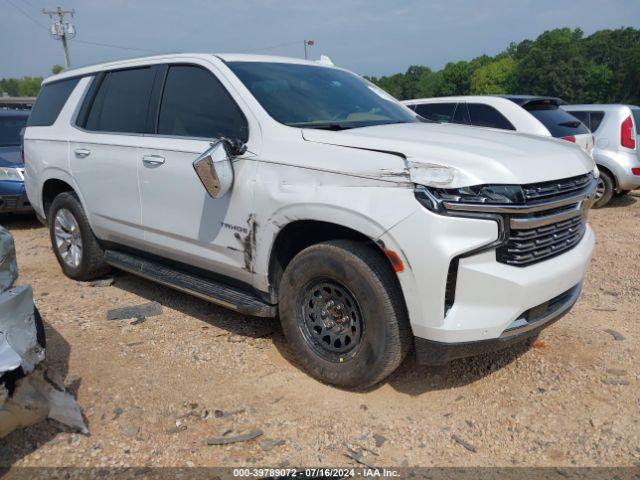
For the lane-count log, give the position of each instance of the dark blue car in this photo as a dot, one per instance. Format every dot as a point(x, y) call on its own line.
point(13, 198)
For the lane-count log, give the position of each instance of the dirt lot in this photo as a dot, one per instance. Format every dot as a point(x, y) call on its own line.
point(154, 392)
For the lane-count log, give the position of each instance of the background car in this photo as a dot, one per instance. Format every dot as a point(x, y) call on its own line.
point(13, 198)
point(522, 113)
point(616, 152)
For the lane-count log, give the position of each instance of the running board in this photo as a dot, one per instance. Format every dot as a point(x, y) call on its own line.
point(206, 289)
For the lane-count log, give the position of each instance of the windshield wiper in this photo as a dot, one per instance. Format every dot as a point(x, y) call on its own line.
point(323, 126)
point(343, 126)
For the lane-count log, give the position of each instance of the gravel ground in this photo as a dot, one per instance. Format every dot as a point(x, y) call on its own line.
point(155, 391)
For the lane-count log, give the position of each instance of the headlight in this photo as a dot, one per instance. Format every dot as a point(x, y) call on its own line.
point(433, 198)
point(9, 173)
point(431, 175)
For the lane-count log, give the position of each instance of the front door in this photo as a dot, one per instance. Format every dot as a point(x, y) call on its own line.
point(181, 221)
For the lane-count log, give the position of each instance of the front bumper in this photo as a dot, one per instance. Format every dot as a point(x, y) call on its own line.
point(527, 326)
point(490, 295)
point(13, 198)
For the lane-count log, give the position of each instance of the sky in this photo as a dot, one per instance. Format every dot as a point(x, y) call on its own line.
point(370, 37)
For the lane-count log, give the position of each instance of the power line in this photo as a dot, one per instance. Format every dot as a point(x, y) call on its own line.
point(113, 46)
point(30, 4)
point(38, 23)
point(123, 47)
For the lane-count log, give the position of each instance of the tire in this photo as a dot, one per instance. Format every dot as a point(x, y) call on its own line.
point(607, 184)
point(90, 259)
point(376, 318)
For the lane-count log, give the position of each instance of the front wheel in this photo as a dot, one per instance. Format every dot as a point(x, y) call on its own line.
point(343, 314)
point(76, 248)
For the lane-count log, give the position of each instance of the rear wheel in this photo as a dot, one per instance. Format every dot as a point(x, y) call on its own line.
point(604, 190)
point(76, 248)
point(343, 314)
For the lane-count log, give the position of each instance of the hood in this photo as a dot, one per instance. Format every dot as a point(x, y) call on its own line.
point(10, 157)
point(479, 155)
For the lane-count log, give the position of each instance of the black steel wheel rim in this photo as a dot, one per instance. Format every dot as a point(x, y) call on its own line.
point(330, 320)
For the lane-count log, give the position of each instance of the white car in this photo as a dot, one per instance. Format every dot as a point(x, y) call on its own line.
point(522, 113)
point(616, 152)
point(277, 186)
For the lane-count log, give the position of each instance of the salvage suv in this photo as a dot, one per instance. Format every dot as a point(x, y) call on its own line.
point(290, 188)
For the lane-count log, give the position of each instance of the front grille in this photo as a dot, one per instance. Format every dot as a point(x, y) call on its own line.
point(528, 246)
point(546, 232)
point(546, 190)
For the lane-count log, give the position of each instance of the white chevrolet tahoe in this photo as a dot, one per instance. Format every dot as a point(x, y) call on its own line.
point(281, 187)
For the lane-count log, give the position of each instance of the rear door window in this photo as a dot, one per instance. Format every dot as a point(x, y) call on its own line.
point(559, 122)
point(122, 102)
point(50, 101)
point(195, 104)
point(482, 115)
point(438, 112)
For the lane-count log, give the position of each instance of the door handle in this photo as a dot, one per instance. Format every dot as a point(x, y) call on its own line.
point(82, 152)
point(153, 160)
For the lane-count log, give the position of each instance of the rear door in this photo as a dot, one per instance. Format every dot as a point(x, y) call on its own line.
point(181, 221)
point(104, 151)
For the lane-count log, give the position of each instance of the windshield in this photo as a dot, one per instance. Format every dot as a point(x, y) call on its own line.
point(636, 118)
point(559, 122)
point(319, 97)
point(10, 127)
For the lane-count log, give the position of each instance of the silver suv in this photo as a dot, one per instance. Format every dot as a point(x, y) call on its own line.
point(616, 151)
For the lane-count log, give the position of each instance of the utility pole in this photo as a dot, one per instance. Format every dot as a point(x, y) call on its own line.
point(62, 30)
point(307, 43)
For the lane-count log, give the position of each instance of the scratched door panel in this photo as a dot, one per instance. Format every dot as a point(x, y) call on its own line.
point(182, 222)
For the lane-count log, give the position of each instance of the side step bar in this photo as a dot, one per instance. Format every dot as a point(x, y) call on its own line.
point(218, 293)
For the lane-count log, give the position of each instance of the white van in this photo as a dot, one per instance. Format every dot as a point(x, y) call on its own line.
point(282, 187)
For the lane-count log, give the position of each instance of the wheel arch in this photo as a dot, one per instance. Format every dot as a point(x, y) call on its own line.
point(611, 174)
point(56, 181)
point(296, 235)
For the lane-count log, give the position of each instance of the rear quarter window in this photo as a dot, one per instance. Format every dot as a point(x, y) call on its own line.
point(559, 122)
point(592, 119)
point(50, 101)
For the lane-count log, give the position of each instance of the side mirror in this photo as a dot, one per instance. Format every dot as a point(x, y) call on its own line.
point(214, 169)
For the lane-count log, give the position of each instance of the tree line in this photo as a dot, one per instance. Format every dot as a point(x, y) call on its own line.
point(25, 86)
point(600, 68)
